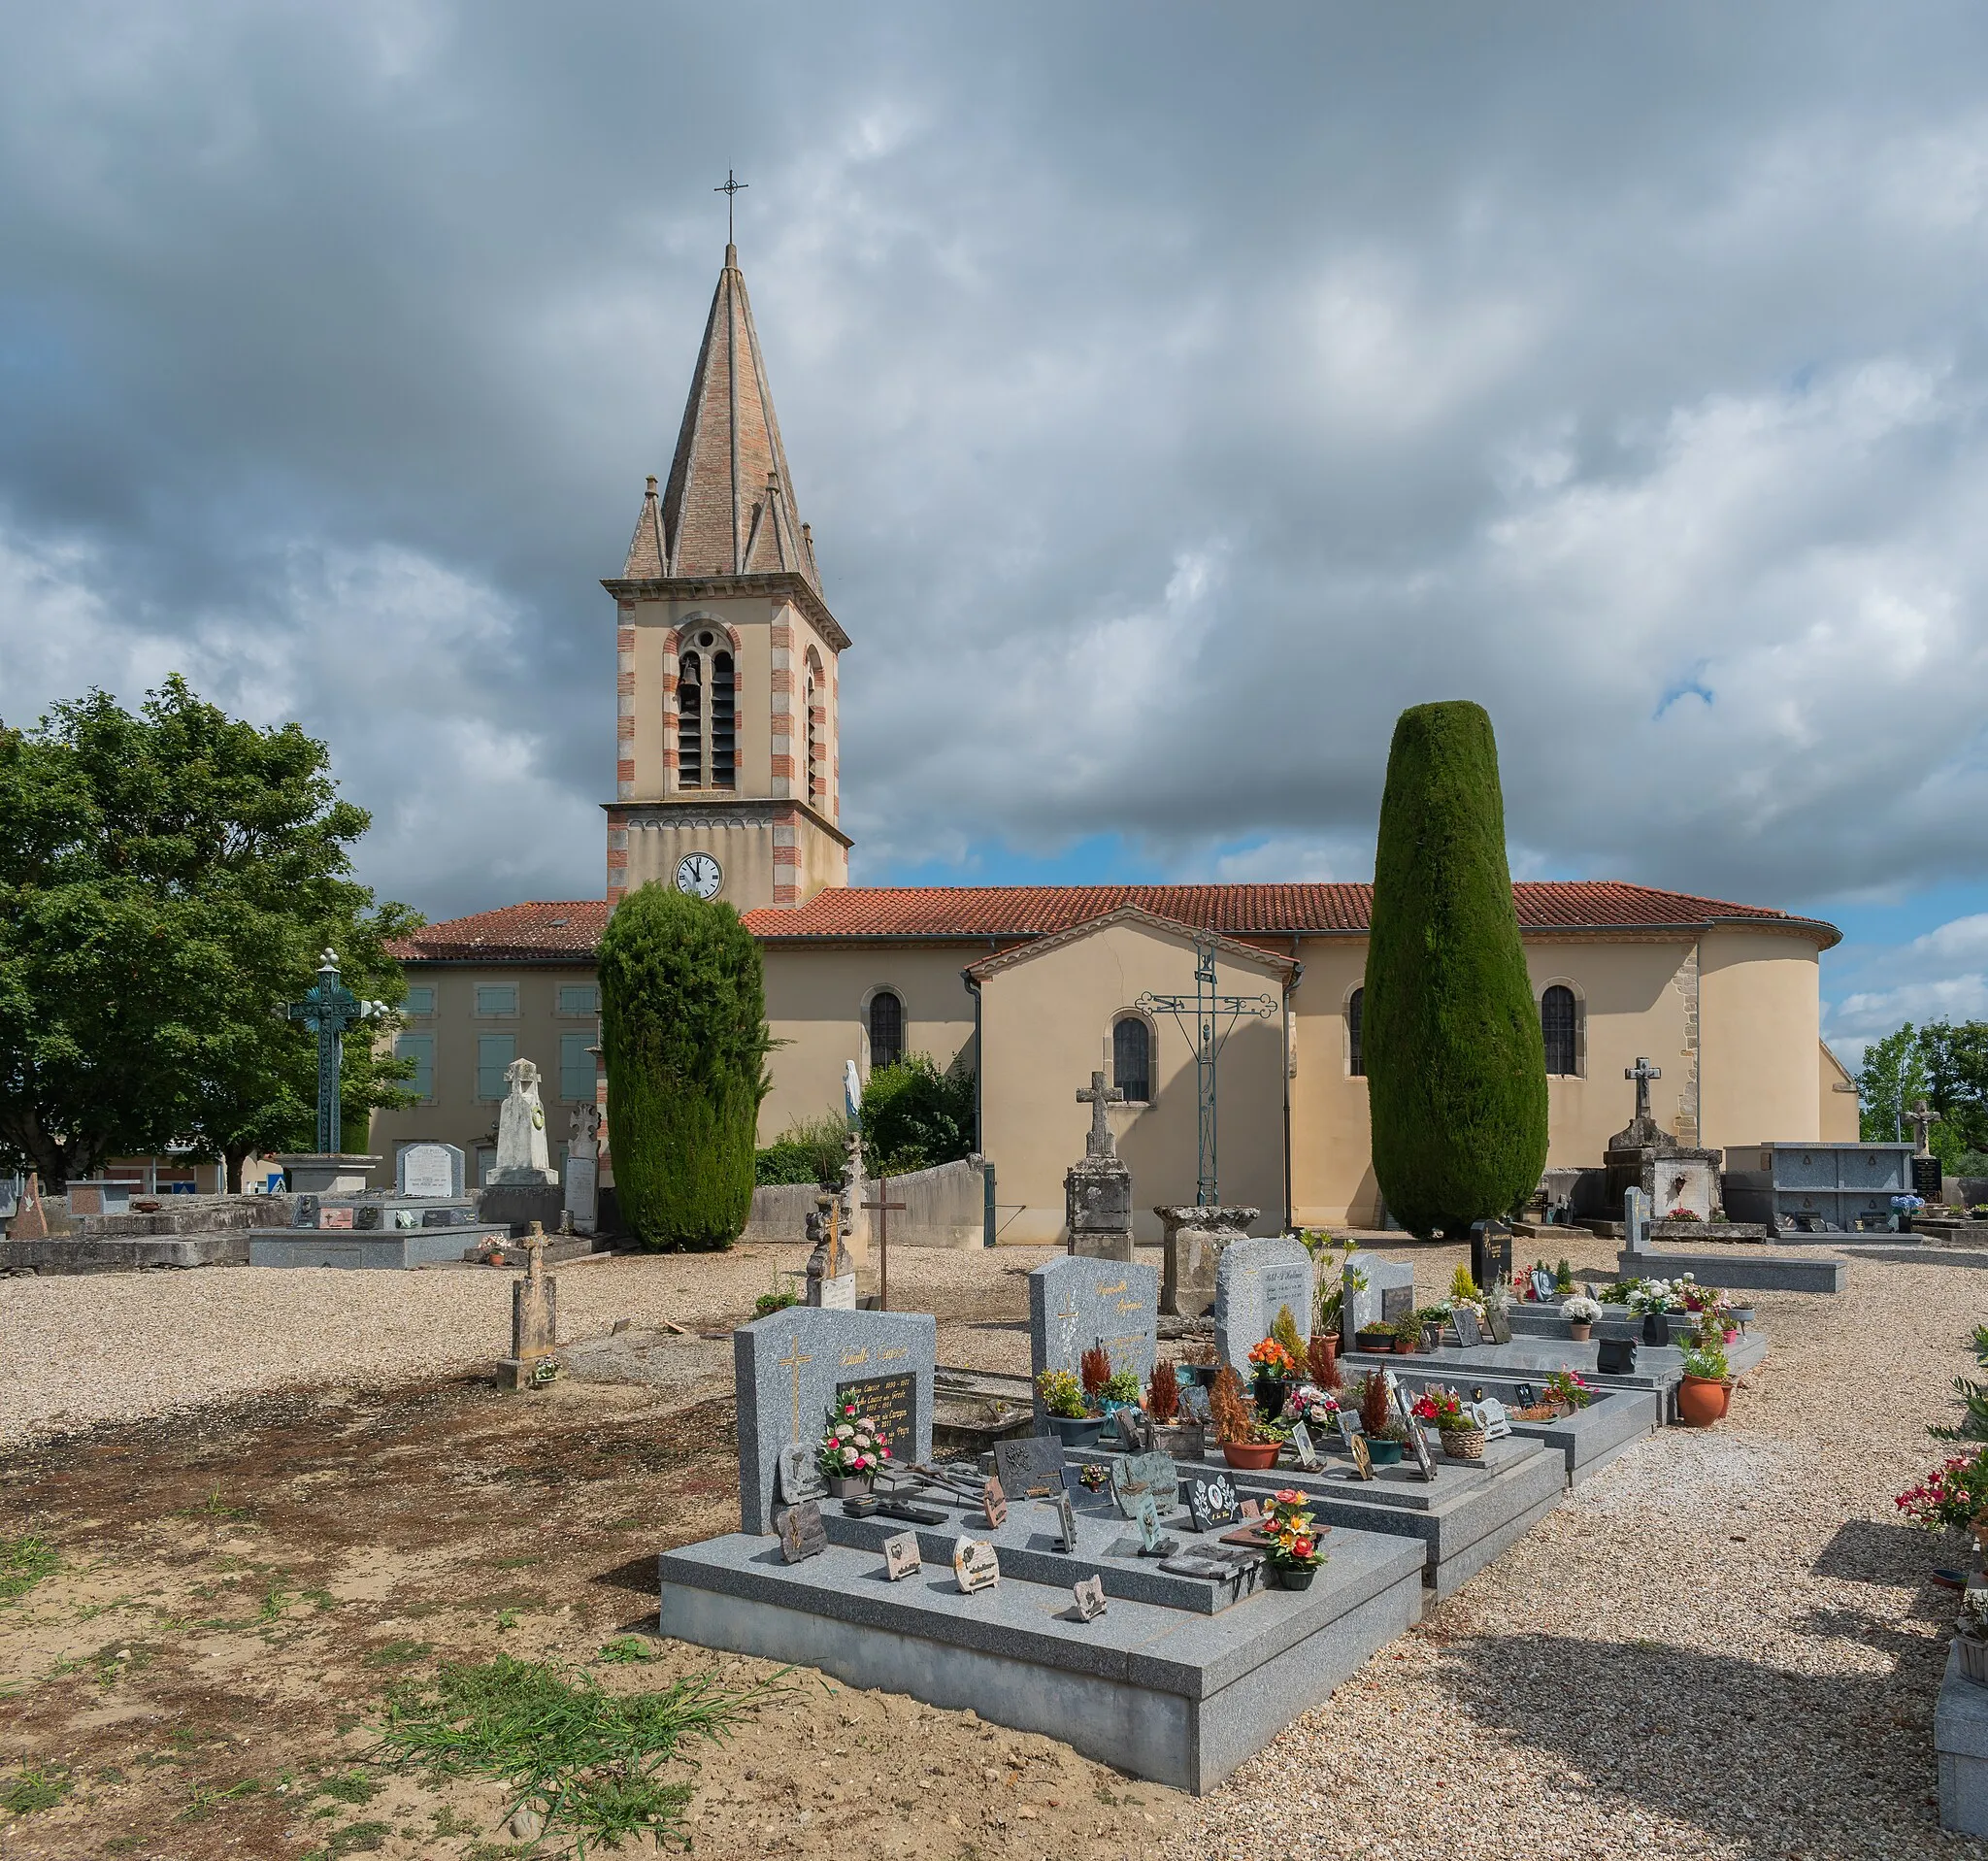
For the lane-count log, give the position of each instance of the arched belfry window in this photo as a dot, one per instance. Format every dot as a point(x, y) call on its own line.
point(706, 715)
point(817, 772)
point(887, 1029)
point(1132, 1059)
point(1356, 1054)
point(1560, 1023)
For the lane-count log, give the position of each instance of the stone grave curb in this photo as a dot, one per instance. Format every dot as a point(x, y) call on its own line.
point(1181, 1699)
point(1589, 1438)
point(124, 1252)
point(1960, 1742)
point(1735, 1272)
point(359, 1248)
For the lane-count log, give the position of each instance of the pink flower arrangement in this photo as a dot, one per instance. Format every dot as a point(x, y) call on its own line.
point(851, 1444)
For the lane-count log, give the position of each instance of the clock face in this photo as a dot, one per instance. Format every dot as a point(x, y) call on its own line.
point(699, 875)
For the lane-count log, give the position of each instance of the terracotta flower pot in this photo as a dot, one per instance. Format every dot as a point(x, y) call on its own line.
point(1580, 1333)
point(1404, 1346)
point(1702, 1400)
point(1327, 1344)
point(1250, 1456)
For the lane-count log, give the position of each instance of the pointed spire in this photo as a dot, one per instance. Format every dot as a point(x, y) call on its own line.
point(647, 553)
point(728, 508)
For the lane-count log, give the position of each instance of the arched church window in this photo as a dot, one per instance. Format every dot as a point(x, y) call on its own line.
point(690, 721)
point(1132, 1059)
point(1356, 1054)
point(724, 756)
point(887, 1029)
point(1560, 1023)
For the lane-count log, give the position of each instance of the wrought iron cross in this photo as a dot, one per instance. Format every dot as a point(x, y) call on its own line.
point(1642, 1073)
point(731, 190)
point(1208, 1036)
point(329, 1009)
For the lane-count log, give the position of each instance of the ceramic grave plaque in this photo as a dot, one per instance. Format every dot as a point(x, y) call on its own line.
point(1075, 1303)
point(335, 1217)
point(1253, 1281)
point(1134, 1476)
point(974, 1565)
point(1498, 1323)
point(1210, 1503)
point(1405, 1410)
point(1146, 1517)
point(788, 1368)
point(1089, 1596)
point(1030, 1464)
point(1066, 1523)
point(1363, 1461)
point(1469, 1334)
point(901, 1556)
point(305, 1212)
point(1490, 1417)
point(801, 1532)
point(994, 1503)
point(1528, 1397)
point(1542, 1285)
point(1301, 1446)
point(800, 1479)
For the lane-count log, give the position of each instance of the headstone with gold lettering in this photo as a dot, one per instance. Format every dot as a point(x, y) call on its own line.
point(1074, 1303)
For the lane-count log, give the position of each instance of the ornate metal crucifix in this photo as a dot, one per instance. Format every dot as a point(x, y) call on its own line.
point(731, 190)
point(330, 1008)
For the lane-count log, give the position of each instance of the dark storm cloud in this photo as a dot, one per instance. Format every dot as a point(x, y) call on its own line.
point(1176, 394)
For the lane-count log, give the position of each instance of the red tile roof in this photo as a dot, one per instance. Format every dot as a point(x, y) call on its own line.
point(547, 931)
point(534, 933)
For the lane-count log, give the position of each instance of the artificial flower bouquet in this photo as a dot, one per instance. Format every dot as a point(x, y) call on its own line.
point(1290, 1537)
point(1580, 1310)
point(1314, 1406)
point(1270, 1358)
point(852, 1446)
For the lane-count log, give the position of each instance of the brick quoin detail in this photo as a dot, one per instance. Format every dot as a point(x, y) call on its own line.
point(781, 634)
point(786, 894)
point(624, 683)
point(616, 894)
point(784, 766)
point(787, 855)
point(781, 724)
point(624, 771)
point(624, 726)
point(618, 859)
point(625, 640)
point(784, 680)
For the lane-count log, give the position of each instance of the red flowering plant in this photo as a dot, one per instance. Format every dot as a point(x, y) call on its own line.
point(1565, 1386)
point(1272, 1359)
point(851, 1444)
point(1949, 1496)
point(1291, 1537)
point(1443, 1406)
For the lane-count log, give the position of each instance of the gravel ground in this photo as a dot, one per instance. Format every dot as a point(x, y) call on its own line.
point(92, 1348)
point(1722, 1647)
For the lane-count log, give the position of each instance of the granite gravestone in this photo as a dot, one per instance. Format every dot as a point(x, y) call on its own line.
point(1074, 1303)
point(1370, 1303)
point(789, 1368)
point(429, 1170)
point(582, 1201)
point(1253, 1281)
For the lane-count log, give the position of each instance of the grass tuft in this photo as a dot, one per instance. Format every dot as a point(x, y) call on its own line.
point(587, 1760)
point(34, 1789)
point(625, 1649)
point(23, 1562)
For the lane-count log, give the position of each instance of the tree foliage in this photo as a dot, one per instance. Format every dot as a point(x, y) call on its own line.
point(1945, 1063)
point(1456, 1068)
point(683, 1033)
point(914, 1116)
point(167, 880)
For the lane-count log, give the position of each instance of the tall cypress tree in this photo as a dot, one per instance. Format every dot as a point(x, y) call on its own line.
point(1456, 1070)
point(684, 1036)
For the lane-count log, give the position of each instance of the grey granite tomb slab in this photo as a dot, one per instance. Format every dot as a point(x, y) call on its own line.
point(1075, 1302)
point(1960, 1742)
point(1159, 1693)
point(1252, 1280)
point(429, 1170)
point(1741, 1266)
point(123, 1253)
point(355, 1247)
point(788, 1368)
point(1587, 1440)
point(1362, 1306)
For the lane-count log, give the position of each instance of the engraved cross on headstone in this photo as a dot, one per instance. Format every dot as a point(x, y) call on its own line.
point(793, 1361)
point(1098, 1143)
point(1642, 1073)
point(1922, 1118)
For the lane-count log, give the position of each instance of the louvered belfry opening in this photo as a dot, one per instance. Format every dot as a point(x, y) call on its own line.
point(690, 721)
point(724, 762)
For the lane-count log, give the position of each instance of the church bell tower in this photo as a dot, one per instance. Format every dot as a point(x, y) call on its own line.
point(726, 778)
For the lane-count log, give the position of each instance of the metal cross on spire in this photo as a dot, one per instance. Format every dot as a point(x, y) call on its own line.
point(329, 1009)
point(1208, 1035)
point(731, 190)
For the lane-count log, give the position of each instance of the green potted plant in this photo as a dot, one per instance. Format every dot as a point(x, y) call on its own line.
point(1563, 1276)
point(1121, 1390)
point(1246, 1441)
point(1566, 1391)
point(1063, 1402)
point(1385, 1439)
point(1706, 1388)
point(1198, 1361)
point(1322, 1360)
point(1291, 1541)
point(1406, 1335)
point(853, 1448)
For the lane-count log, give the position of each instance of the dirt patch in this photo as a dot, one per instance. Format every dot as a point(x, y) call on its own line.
point(203, 1672)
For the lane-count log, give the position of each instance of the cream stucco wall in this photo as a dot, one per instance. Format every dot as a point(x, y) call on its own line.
point(814, 1001)
point(1840, 1121)
point(1759, 1024)
point(1047, 1023)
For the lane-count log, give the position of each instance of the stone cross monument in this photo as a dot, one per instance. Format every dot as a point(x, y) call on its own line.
point(522, 1154)
point(1922, 1118)
point(1646, 1157)
point(1097, 1190)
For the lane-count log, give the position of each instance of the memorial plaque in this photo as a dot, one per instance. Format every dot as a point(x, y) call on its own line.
point(1211, 1504)
point(1363, 1461)
point(1348, 1437)
point(1301, 1446)
point(1498, 1323)
point(892, 1401)
point(1396, 1303)
point(1214, 1563)
point(1527, 1398)
point(1066, 1523)
point(1030, 1464)
point(335, 1217)
point(801, 1532)
point(1250, 1511)
point(910, 1510)
point(366, 1215)
point(901, 1556)
point(1194, 1401)
point(1543, 1283)
point(994, 1503)
point(1489, 1415)
point(1089, 1596)
point(1146, 1517)
point(1469, 1334)
point(1419, 1445)
point(800, 1479)
point(305, 1214)
point(974, 1565)
point(406, 1219)
point(430, 1168)
point(1133, 1475)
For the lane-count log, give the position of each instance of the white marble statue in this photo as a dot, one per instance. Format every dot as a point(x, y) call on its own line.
point(521, 1154)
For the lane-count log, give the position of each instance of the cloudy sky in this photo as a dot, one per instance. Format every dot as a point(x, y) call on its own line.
point(1176, 394)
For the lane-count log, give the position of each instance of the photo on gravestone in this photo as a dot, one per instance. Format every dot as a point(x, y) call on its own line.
point(1211, 1504)
point(1543, 1283)
point(901, 1556)
point(800, 1479)
point(801, 1532)
point(1468, 1333)
point(994, 1503)
point(1030, 1464)
point(974, 1566)
point(1301, 1446)
point(1525, 1396)
point(1088, 1594)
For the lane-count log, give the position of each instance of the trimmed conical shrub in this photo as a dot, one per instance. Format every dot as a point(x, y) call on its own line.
point(1456, 1070)
point(685, 1037)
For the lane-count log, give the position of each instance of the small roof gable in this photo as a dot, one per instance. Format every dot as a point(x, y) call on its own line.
point(1170, 927)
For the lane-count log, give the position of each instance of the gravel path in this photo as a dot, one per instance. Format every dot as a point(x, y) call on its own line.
point(93, 1347)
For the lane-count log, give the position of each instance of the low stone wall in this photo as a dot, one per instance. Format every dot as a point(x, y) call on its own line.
point(944, 1207)
point(193, 1214)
